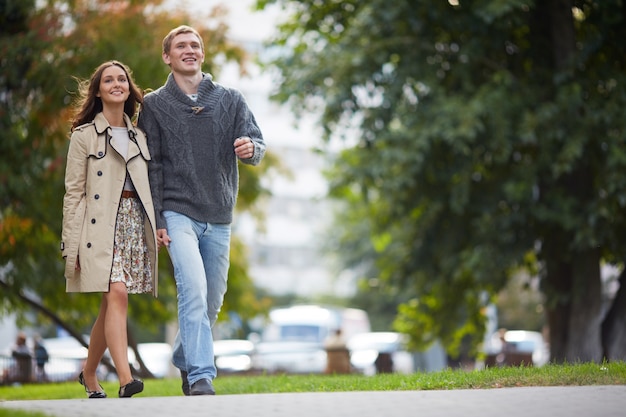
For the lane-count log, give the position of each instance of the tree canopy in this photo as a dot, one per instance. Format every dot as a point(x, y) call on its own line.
point(46, 47)
point(488, 137)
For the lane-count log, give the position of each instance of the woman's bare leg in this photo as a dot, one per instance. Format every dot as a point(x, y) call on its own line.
point(115, 330)
point(97, 346)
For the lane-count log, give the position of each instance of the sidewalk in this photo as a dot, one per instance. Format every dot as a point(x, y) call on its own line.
point(587, 401)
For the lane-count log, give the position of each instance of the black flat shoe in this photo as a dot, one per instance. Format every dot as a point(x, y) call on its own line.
point(133, 387)
point(90, 394)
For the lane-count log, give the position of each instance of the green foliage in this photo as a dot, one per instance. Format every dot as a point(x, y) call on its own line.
point(29, 165)
point(520, 304)
point(44, 51)
point(484, 144)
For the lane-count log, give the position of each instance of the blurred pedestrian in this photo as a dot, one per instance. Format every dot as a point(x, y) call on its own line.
point(198, 130)
point(109, 236)
point(384, 363)
point(41, 358)
point(337, 354)
point(335, 340)
point(23, 359)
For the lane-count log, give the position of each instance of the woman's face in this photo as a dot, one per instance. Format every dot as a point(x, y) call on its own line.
point(114, 87)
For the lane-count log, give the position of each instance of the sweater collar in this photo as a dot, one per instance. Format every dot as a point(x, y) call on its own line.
point(205, 86)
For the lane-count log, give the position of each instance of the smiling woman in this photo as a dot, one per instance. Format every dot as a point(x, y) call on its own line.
point(108, 202)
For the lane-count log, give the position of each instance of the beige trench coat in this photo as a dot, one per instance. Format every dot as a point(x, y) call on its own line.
point(94, 180)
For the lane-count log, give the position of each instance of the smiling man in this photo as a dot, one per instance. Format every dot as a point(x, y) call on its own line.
point(197, 132)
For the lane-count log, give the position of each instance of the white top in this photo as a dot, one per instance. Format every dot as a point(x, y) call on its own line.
point(119, 141)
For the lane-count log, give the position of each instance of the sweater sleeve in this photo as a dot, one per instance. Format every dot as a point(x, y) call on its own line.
point(147, 122)
point(246, 125)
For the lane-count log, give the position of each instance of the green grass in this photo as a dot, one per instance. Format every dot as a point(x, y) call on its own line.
point(5, 412)
point(550, 375)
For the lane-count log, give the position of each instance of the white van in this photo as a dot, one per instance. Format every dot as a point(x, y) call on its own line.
point(293, 339)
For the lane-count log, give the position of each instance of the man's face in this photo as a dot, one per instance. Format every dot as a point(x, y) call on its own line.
point(186, 54)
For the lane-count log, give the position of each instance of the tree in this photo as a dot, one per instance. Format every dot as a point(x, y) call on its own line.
point(29, 163)
point(490, 138)
point(45, 50)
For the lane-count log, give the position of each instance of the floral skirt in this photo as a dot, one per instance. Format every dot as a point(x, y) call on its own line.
point(131, 261)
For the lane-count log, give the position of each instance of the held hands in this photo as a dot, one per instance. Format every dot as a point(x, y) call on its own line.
point(244, 148)
point(163, 238)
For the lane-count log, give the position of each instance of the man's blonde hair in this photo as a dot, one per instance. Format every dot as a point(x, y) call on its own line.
point(167, 41)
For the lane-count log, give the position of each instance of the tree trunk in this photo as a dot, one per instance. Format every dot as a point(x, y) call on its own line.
point(562, 33)
point(614, 325)
point(572, 283)
point(143, 370)
point(584, 325)
point(574, 308)
point(556, 285)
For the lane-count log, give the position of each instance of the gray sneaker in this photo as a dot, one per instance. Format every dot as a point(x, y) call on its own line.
point(202, 387)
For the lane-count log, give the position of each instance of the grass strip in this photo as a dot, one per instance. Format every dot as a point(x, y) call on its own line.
point(549, 375)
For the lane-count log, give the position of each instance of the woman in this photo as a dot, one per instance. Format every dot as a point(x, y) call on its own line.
point(109, 236)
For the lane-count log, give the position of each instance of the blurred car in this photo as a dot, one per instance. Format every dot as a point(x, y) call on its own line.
point(373, 352)
point(520, 342)
point(293, 340)
point(233, 355)
point(66, 357)
point(290, 357)
point(156, 356)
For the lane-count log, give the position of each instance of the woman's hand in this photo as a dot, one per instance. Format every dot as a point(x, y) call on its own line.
point(163, 239)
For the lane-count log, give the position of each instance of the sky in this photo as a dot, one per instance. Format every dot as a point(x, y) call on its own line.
point(245, 24)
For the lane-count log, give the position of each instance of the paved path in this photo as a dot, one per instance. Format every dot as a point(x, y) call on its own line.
point(588, 401)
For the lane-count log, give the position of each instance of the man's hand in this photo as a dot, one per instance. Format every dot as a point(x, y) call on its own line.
point(244, 148)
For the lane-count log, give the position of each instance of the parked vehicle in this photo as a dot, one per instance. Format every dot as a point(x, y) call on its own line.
point(516, 343)
point(233, 355)
point(293, 339)
point(156, 356)
point(379, 352)
point(66, 358)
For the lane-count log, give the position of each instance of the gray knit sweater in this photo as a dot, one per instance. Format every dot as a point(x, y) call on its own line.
point(194, 167)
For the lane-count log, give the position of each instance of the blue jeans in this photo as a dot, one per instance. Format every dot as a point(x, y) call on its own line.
point(200, 256)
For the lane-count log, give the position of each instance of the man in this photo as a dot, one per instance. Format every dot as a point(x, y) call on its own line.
point(197, 132)
point(41, 358)
point(23, 358)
